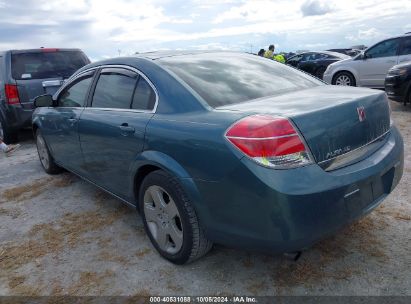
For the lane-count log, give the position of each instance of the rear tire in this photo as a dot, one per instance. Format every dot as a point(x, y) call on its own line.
point(170, 219)
point(46, 159)
point(7, 135)
point(407, 97)
point(344, 79)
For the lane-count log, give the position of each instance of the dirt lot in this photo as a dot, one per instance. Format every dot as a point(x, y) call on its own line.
point(60, 235)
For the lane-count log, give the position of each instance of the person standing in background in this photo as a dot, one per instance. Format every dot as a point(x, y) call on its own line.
point(270, 54)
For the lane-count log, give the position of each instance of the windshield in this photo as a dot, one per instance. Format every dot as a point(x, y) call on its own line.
point(229, 78)
point(40, 65)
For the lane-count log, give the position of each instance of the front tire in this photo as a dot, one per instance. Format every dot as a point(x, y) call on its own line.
point(170, 220)
point(46, 159)
point(344, 79)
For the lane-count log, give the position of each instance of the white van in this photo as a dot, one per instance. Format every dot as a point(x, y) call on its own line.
point(368, 69)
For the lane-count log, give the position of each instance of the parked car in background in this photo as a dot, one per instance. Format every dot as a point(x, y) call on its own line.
point(398, 83)
point(349, 52)
point(224, 156)
point(368, 69)
point(25, 74)
point(287, 55)
point(315, 63)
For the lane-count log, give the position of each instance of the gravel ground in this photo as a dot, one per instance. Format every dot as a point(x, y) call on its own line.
point(60, 235)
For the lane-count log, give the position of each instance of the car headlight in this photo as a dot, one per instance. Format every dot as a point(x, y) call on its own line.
point(398, 72)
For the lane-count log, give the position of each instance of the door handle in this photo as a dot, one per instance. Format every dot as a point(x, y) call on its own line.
point(72, 119)
point(126, 129)
point(406, 59)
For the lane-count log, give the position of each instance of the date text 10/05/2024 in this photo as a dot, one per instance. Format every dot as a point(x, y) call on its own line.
point(206, 299)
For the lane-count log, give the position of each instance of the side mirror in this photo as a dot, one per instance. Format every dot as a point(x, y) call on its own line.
point(43, 101)
point(366, 56)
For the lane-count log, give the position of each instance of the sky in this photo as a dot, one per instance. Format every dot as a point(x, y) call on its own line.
point(104, 28)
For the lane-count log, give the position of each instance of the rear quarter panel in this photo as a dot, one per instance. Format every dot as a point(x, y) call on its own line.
point(195, 141)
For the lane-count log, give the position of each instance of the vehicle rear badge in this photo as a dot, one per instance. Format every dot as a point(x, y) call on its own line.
point(361, 113)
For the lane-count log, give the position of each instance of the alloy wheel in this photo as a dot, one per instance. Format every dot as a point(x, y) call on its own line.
point(163, 219)
point(43, 153)
point(343, 80)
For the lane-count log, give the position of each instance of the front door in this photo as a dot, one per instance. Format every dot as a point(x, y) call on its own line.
point(61, 128)
point(112, 128)
point(377, 61)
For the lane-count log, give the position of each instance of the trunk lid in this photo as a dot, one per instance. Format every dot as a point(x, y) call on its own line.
point(341, 125)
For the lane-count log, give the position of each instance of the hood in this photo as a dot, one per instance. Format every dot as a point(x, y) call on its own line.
point(406, 64)
point(342, 61)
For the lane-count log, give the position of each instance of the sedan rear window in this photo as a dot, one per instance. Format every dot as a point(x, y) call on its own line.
point(41, 65)
point(229, 78)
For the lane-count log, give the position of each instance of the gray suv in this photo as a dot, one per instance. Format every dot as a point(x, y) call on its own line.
point(25, 74)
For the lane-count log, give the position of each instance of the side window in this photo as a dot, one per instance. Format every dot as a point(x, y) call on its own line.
point(322, 56)
point(386, 48)
point(406, 46)
point(114, 89)
point(144, 96)
point(316, 56)
point(295, 59)
point(75, 95)
point(307, 57)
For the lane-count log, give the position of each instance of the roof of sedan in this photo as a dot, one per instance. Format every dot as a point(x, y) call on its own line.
point(162, 54)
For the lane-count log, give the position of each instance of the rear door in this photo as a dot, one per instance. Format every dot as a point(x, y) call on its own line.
point(112, 128)
point(61, 124)
point(306, 63)
point(43, 71)
point(379, 59)
point(405, 50)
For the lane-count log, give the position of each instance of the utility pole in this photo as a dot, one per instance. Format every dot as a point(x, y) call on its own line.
point(119, 52)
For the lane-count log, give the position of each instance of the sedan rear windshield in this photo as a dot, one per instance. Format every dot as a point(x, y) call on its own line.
point(40, 65)
point(226, 78)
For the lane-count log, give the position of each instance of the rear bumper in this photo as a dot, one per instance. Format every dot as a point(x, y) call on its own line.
point(17, 117)
point(287, 210)
point(328, 77)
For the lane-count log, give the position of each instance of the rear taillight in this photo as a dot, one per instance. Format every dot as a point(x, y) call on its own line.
point(270, 141)
point(12, 94)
